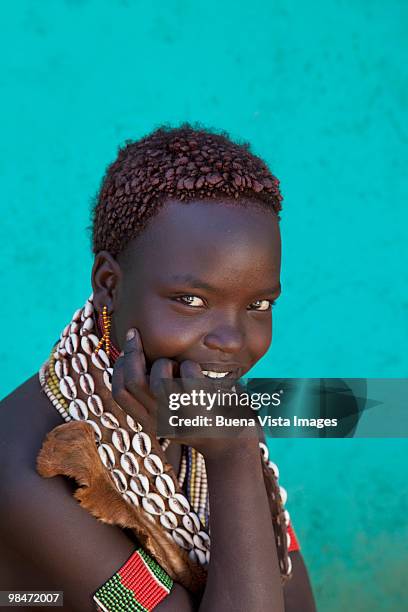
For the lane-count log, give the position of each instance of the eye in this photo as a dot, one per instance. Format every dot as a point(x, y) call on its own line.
point(261, 305)
point(190, 300)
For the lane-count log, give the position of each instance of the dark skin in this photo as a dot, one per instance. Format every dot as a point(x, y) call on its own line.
point(234, 253)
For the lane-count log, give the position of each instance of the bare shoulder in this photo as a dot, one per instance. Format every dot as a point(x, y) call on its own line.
point(26, 416)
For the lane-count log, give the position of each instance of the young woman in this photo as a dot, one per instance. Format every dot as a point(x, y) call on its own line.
point(187, 268)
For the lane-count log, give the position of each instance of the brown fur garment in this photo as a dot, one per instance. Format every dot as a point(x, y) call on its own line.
point(70, 450)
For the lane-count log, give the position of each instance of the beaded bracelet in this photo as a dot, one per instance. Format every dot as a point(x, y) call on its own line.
point(140, 585)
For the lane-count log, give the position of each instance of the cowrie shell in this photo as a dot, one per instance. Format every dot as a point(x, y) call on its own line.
point(95, 404)
point(88, 309)
point(288, 540)
point(87, 384)
point(202, 557)
point(79, 363)
point(264, 451)
point(198, 556)
point(287, 518)
point(89, 343)
point(96, 429)
point(120, 480)
point(179, 504)
point(202, 541)
point(132, 424)
point(71, 344)
point(109, 420)
point(77, 315)
point(165, 485)
point(78, 410)
point(94, 339)
point(107, 378)
point(107, 455)
point(100, 359)
point(142, 444)
point(198, 543)
point(68, 388)
point(153, 503)
point(207, 556)
point(87, 324)
point(153, 465)
point(61, 368)
point(182, 538)
point(169, 520)
point(274, 468)
point(140, 484)
point(74, 327)
point(131, 498)
point(65, 331)
point(129, 463)
point(191, 522)
point(283, 495)
point(121, 440)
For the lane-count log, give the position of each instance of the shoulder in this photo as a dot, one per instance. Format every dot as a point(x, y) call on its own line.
point(26, 416)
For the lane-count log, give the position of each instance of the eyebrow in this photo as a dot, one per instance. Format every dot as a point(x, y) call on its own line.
point(192, 281)
point(188, 279)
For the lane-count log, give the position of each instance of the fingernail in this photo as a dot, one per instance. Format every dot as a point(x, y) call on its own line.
point(121, 354)
point(130, 334)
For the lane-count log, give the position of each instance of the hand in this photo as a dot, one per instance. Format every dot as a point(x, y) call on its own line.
point(131, 388)
point(136, 393)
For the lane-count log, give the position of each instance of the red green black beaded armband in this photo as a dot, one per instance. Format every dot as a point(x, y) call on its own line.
point(140, 585)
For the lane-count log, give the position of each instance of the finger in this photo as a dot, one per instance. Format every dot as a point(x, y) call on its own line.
point(125, 400)
point(161, 372)
point(119, 392)
point(135, 378)
point(190, 369)
point(191, 376)
point(162, 369)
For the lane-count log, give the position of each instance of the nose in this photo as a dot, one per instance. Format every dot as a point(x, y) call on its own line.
point(225, 338)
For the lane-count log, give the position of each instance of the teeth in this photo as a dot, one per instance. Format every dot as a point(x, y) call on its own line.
point(211, 374)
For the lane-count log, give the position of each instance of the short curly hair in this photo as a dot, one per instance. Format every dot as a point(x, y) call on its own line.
point(184, 163)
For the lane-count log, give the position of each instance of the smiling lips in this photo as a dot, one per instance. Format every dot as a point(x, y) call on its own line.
point(221, 370)
point(211, 374)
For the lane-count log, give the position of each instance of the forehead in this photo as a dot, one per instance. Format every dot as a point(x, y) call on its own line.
point(208, 238)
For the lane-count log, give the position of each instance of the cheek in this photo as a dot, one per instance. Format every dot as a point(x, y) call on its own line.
point(164, 335)
point(259, 340)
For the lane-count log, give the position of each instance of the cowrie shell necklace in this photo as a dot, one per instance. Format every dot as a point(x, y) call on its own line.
point(123, 447)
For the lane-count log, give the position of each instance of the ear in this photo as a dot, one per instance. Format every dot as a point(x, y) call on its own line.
point(106, 278)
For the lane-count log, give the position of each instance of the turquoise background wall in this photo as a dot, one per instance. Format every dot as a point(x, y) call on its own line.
point(320, 89)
